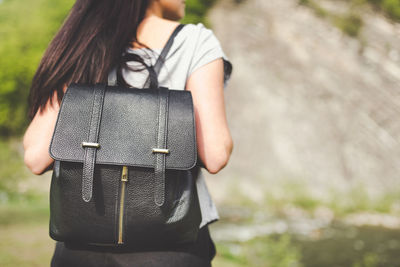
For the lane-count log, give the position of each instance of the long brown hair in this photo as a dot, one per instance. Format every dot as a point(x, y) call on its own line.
point(90, 42)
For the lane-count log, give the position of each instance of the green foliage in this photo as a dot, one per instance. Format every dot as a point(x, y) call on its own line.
point(31, 210)
point(368, 260)
point(12, 171)
point(24, 227)
point(296, 194)
point(319, 11)
point(13, 174)
point(375, 2)
point(389, 7)
point(196, 11)
point(260, 251)
point(392, 8)
point(357, 199)
point(26, 28)
point(350, 24)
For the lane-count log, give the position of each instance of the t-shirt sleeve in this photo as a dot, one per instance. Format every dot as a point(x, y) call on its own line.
point(208, 48)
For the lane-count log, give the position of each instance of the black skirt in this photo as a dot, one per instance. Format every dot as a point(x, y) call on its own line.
point(198, 254)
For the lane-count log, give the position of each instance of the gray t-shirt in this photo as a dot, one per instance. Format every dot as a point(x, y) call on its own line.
point(193, 47)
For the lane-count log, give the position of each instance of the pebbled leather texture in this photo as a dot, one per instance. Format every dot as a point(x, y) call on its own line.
point(161, 205)
point(128, 127)
point(96, 222)
point(159, 169)
point(72, 219)
point(90, 152)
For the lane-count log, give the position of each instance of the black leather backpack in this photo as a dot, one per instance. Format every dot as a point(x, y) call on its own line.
point(125, 166)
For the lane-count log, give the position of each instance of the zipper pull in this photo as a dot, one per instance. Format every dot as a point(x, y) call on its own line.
point(124, 176)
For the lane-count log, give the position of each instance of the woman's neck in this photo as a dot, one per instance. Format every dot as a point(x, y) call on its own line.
point(153, 31)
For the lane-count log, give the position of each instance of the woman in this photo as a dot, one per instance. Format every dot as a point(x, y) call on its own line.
point(92, 39)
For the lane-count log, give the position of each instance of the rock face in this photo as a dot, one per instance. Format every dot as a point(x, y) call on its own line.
point(306, 103)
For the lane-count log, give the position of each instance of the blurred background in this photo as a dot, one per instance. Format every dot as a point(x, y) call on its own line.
point(313, 106)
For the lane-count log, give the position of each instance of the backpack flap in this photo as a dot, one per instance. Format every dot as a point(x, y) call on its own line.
point(150, 128)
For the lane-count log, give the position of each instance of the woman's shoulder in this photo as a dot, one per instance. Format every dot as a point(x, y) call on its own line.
point(205, 47)
point(194, 36)
point(198, 29)
point(196, 26)
point(190, 36)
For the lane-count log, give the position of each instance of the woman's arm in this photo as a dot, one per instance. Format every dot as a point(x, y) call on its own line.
point(214, 141)
point(37, 138)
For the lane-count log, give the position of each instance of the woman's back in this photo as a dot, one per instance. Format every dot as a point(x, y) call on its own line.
point(193, 47)
point(154, 32)
point(195, 63)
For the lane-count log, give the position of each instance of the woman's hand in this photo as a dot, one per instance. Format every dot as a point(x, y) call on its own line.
point(214, 141)
point(38, 135)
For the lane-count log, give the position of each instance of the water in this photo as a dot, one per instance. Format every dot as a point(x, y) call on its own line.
point(345, 245)
point(319, 241)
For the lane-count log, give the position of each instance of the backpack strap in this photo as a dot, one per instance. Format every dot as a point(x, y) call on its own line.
point(163, 94)
point(91, 144)
point(161, 150)
point(153, 70)
point(161, 58)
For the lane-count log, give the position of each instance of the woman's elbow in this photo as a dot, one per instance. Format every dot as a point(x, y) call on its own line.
point(220, 159)
point(35, 162)
point(29, 160)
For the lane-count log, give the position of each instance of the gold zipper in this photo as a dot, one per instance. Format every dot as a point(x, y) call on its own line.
point(124, 179)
